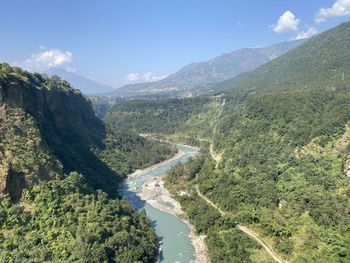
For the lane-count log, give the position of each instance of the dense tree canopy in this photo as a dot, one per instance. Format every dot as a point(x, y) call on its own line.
point(282, 135)
point(66, 221)
point(48, 130)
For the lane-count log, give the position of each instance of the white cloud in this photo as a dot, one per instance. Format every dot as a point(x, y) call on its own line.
point(311, 31)
point(287, 22)
point(147, 77)
point(339, 8)
point(45, 60)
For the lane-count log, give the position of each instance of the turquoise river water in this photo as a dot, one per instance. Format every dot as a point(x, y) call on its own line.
point(174, 234)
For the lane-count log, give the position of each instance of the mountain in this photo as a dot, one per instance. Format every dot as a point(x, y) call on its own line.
point(162, 116)
point(60, 168)
point(321, 61)
point(49, 128)
point(199, 78)
point(85, 85)
point(275, 155)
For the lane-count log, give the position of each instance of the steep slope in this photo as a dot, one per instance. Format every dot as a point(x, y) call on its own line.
point(285, 153)
point(282, 172)
point(66, 221)
point(49, 128)
point(48, 211)
point(199, 78)
point(85, 85)
point(323, 60)
point(164, 116)
point(282, 133)
point(102, 104)
point(64, 122)
point(24, 157)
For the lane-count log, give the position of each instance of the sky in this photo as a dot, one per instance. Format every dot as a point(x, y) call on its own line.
point(116, 42)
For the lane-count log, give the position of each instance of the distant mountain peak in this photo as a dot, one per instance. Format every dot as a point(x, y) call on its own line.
point(84, 84)
point(202, 77)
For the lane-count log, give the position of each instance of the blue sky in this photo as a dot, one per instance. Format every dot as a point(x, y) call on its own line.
point(120, 41)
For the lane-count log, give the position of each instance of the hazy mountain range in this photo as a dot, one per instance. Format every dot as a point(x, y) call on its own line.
point(191, 80)
point(199, 78)
point(84, 84)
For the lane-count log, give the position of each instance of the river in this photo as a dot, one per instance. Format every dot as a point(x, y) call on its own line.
point(173, 233)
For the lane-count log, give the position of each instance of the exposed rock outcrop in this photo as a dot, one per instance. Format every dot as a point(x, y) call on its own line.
point(47, 128)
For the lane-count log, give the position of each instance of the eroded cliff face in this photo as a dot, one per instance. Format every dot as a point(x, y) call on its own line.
point(63, 108)
point(46, 129)
point(4, 171)
point(24, 157)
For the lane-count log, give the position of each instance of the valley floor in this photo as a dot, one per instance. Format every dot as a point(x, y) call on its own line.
point(155, 194)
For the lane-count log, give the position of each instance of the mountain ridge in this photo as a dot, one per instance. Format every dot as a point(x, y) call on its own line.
point(284, 154)
point(42, 116)
point(323, 59)
point(201, 77)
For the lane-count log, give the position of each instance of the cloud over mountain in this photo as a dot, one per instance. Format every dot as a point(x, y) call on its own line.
point(338, 9)
point(287, 22)
point(48, 59)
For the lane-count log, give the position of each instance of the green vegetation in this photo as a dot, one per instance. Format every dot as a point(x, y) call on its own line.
point(54, 129)
point(48, 130)
point(65, 221)
point(282, 173)
point(192, 117)
point(282, 133)
point(322, 61)
point(101, 104)
point(124, 151)
point(283, 136)
point(156, 116)
point(24, 158)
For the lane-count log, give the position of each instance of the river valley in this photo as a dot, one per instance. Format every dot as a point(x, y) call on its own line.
point(173, 233)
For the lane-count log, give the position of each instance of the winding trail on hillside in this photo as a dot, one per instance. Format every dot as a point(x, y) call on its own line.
point(269, 250)
point(262, 242)
point(222, 213)
point(216, 157)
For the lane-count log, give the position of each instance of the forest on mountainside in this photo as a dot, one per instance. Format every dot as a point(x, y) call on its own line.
point(283, 173)
point(321, 61)
point(60, 168)
point(282, 136)
point(66, 221)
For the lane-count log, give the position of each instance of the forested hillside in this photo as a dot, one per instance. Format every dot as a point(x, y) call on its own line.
point(66, 221)
point(283, 173)
point(276, 159)
point(49, 130)
point(284, 159)
point(323, 60)
point(165, 116)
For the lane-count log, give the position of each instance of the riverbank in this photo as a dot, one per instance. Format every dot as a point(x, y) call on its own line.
point(140, 172)
point(178, 155)
point(155, 194)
